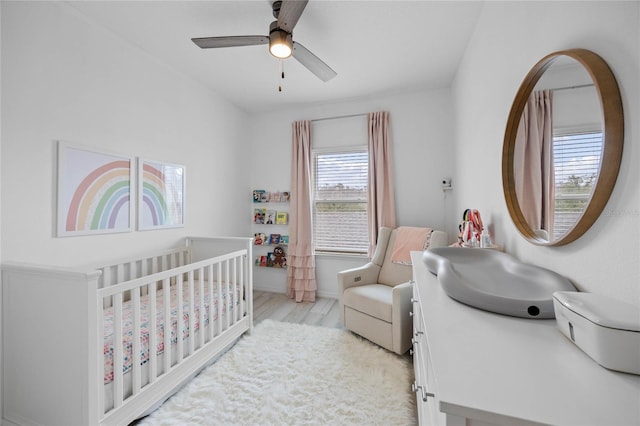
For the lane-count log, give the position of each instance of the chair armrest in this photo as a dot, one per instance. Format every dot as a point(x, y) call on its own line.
point(400, 318)
point(439, 239)
point(366, 274)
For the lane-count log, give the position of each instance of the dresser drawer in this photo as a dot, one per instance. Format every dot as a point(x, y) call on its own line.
point(424, 384)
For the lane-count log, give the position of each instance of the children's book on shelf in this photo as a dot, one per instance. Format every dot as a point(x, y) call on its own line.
point(262, 196)
point(270, 217)
point(282, 218)
point(275, 197)
point(263, 260)
point(270, 258)
point(260, 239)
point(284, 240)
point(258, 195)
point(274, 239)
point(259, 215)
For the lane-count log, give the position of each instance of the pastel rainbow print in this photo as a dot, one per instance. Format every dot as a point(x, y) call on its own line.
point(100, 198)
point(159, 198)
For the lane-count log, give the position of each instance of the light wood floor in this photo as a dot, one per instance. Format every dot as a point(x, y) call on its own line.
point(278, 307)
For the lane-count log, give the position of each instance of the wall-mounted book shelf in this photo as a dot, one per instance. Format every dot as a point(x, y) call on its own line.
point(270, 212)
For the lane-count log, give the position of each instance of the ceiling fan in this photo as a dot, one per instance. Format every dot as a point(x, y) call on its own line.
point(281, 44)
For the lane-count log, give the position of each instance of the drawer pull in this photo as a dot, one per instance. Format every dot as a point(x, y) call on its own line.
point(413, 300)
point(419, 388)
point(418, 332)
point(411, 313)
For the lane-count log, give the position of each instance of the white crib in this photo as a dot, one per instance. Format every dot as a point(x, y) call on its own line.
point(78, 343)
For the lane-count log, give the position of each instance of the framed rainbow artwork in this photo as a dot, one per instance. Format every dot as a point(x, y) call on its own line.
point(161, 195)
point(94, 191)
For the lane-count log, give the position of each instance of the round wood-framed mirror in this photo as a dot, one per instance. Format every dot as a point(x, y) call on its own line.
point(596, 188)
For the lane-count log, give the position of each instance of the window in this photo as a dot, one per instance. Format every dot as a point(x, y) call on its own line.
point(340, 200)
point(576, 160)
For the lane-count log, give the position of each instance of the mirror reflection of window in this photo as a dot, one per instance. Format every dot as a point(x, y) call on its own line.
point(576, 126)
point(576, 158)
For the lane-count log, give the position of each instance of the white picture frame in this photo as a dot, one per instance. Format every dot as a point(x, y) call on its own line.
point(161, 194)
point(94, 191)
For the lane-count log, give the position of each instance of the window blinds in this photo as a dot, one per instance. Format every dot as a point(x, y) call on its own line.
point(340, 200)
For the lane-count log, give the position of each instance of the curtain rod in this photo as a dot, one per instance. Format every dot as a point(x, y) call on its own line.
point(572, 87)
point(339, 116)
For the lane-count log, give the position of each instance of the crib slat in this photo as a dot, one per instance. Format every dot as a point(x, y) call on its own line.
point(202, 307)
point(106, 277)
point(102, 389)
point(153, 333)
point(227, 291)
point(180, 322)
point(220, 303)
point(136, 373)
point(242, 284)
point(120, 272)
point(132, 270)
point(211, 300)
point(236, 304)
point(166, 294)
point(118, 353)
point(163, 263)
point(232, 291)
point(192, 313)
point(143, 273)
point(106, 282)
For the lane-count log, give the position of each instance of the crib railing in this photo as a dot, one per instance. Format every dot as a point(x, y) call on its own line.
point(223, 279)
point(129, 269)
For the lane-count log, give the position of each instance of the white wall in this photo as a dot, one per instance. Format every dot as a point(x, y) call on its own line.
point(422, 152)
point(65, 78)
point(509, 39)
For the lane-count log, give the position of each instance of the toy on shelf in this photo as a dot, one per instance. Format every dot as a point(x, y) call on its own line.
point(471, 229)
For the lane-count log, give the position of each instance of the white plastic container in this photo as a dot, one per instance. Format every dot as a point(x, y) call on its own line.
point(608, 330)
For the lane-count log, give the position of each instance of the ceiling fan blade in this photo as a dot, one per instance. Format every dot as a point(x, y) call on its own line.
point(312, 62)
point(290, 12)
point(230, 41)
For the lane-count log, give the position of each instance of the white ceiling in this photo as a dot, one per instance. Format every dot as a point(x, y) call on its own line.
point(376, 47)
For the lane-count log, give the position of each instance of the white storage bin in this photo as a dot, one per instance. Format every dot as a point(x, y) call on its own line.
point(608, 330)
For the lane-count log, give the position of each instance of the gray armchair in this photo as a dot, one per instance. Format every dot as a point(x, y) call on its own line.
point(375, 299)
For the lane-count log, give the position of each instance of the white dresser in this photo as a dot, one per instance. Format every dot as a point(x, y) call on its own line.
point(485, 368)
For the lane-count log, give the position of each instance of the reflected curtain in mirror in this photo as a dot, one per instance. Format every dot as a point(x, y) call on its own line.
point(533, 163)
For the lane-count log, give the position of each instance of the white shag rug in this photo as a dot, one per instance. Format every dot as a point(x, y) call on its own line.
point(291, 374)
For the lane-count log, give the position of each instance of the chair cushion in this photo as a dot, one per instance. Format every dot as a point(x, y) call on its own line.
point(372, 299)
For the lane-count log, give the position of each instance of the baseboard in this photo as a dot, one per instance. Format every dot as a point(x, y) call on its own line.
point(327, 294)
point(279, 290)
point(270, 287)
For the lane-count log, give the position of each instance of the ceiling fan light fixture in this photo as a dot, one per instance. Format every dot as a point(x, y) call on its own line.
point(280, 42)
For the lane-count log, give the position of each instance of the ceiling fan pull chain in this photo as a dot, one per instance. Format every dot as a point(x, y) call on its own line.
point(281, 74)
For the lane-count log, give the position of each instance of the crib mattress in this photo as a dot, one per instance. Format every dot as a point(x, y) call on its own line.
point(210, 316)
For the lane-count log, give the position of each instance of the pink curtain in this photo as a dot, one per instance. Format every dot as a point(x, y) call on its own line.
point(301, 268)
point(381, 203)
point(533, 167)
